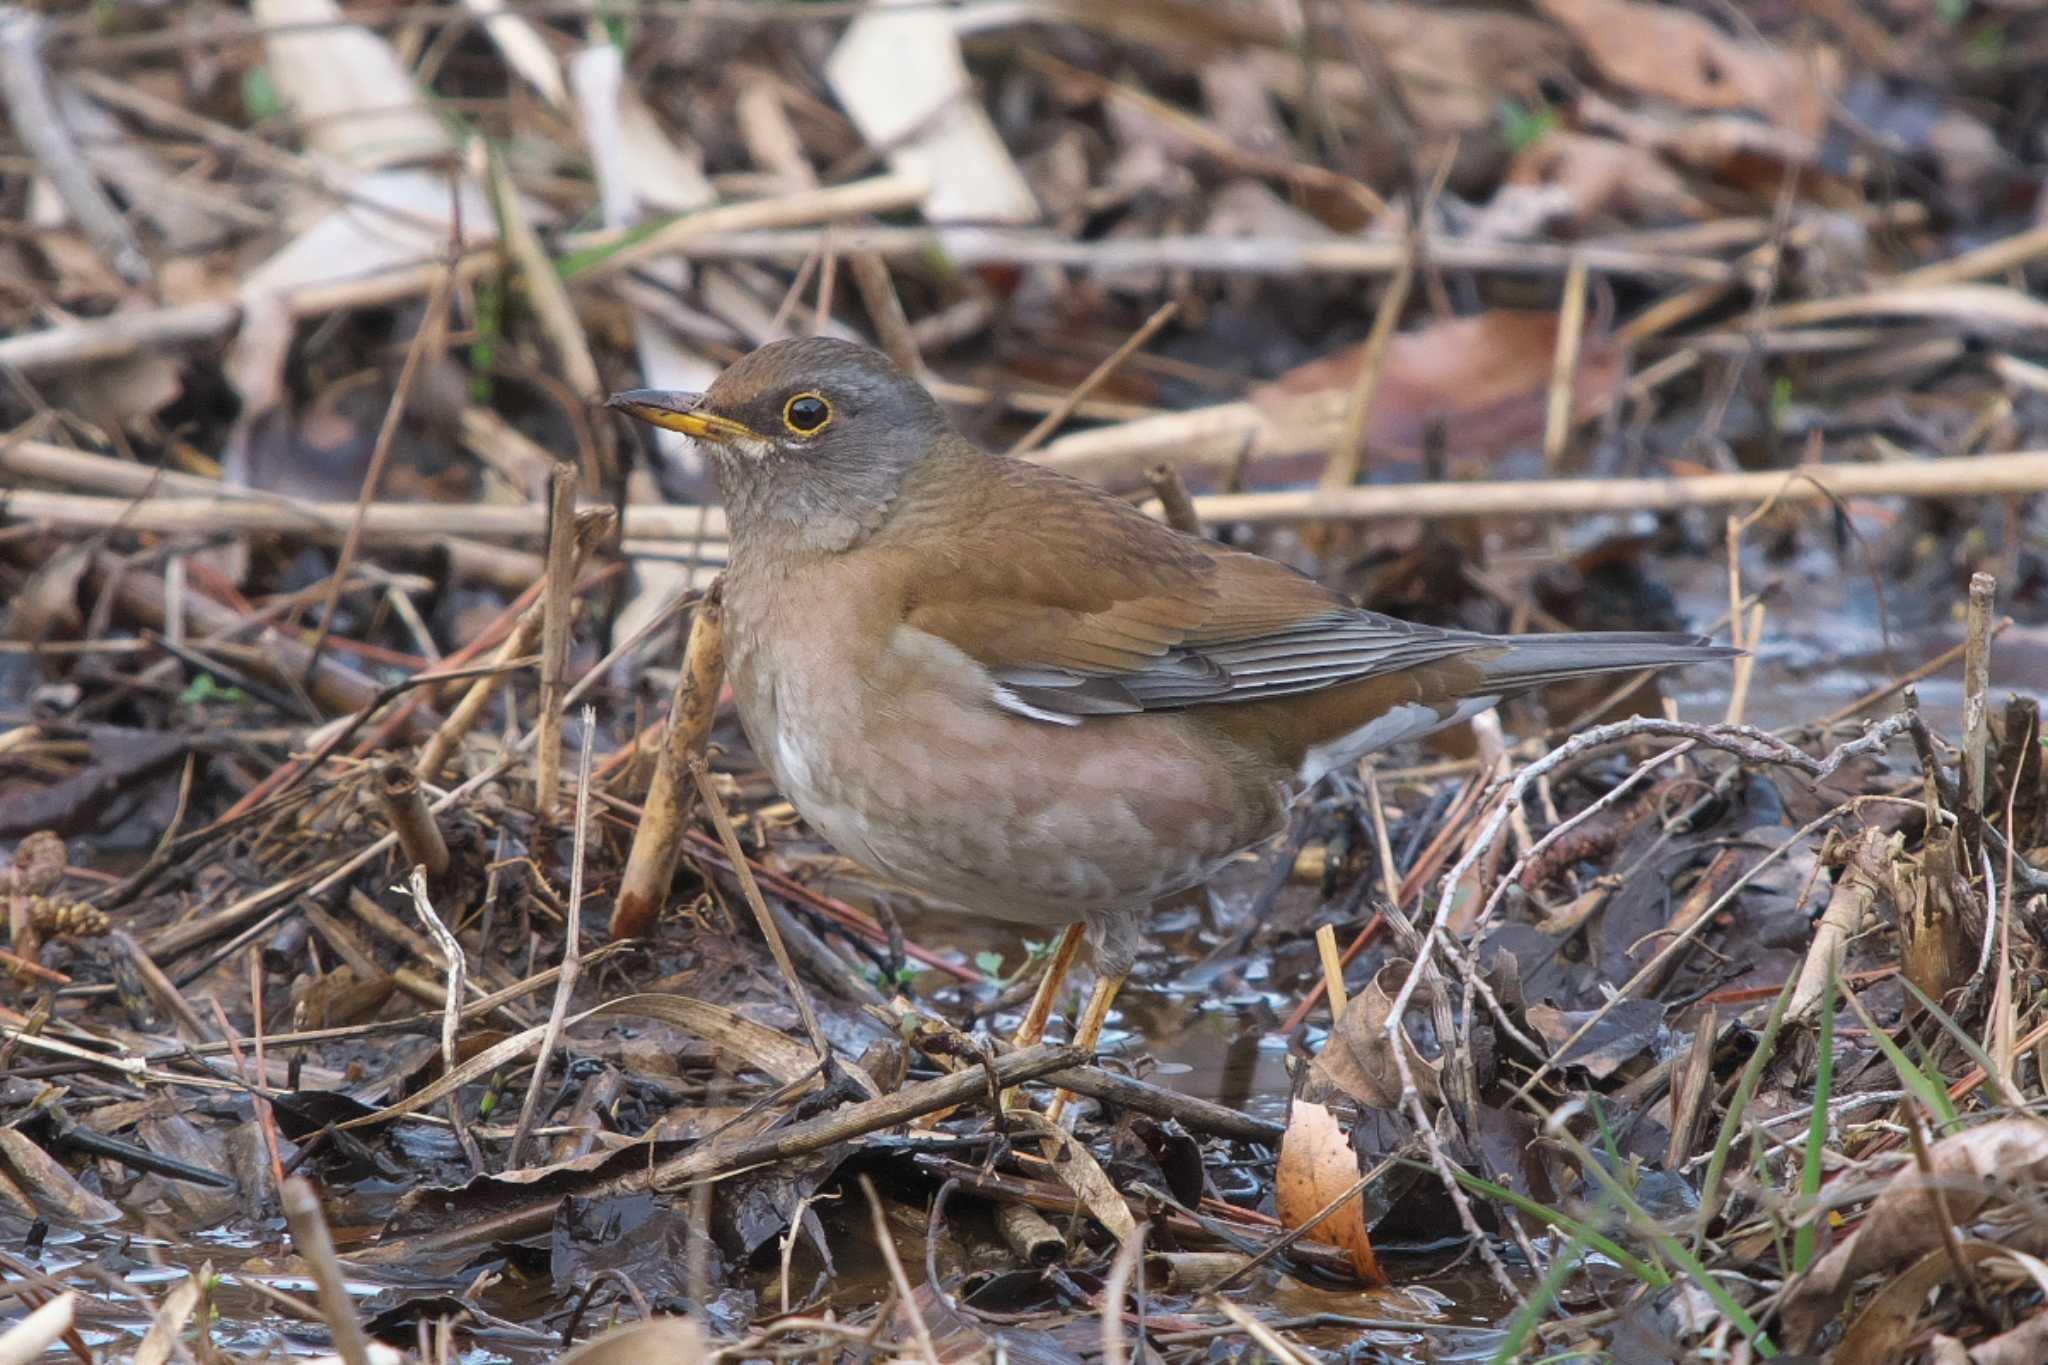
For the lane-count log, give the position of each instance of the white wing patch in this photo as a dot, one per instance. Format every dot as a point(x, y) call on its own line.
point(1409, 720)
point(1010, 701)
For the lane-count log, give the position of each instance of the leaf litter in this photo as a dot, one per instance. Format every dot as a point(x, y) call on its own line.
point(1709, 1033)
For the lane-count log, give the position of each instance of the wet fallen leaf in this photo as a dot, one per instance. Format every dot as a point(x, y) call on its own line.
point(1358, 1061)
point(1077, 1169)
point(1622, 1034)
point(1317, 1164)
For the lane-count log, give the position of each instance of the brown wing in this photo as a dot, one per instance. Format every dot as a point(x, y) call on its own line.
point(1081, 605)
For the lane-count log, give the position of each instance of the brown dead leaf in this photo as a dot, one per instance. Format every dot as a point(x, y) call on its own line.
point(1357, 1059)
point(1892, 1318)
point(57, 1194)
point(1485, 377)
point(46, 607)
point(1078, 1170)
point(1317, 1164)
point(1603, 182)
point(673, 1341)
point(1676, 55)
point(1974, 1167)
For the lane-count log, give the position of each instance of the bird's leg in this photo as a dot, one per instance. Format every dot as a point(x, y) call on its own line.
point(1115, 941)
point(1032, 1031)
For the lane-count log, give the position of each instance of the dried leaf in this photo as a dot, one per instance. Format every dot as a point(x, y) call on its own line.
point(1078, 1170)
point(1358, 1061)
point(38, 863)
point(1622, 1034)
point(1485, 378)
point(160, 1342)
point(672, 1341)
point(1316, 1165)
point(54, 1190)
point(1974, 1168)
point(1677, 55)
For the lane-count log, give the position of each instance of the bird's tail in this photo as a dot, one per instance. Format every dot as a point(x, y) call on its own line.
point(1532, 660)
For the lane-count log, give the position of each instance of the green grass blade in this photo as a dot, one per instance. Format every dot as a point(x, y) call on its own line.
point(1745, 1090)
point(1930, 1092)
point(1529, 1316)
point(1565, 1223)
point(1807, 1234)
point(1970, 1045)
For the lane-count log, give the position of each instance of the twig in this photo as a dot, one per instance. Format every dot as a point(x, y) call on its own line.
point(591, 528)
point(738, 860)
point(1174, 503)
point(1113, 1286)
point(1267, 1340)
point(658, 839)
point(1564, 368)
point(556, 601)
point(1052, 421)
point(894, 1262)
point(1976, 684)
point(451, 1016)
point(433, 330)
point(316, 1249)
point(405, 806)
point(717, 1158)
point(33, 113)
point(885, 310)
point(572, 946)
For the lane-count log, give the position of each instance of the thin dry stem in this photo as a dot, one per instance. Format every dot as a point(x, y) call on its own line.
point(658, 840)
point(316, 1249)
point(405, 806)
point(572, 947)
point(1135, 342)
point(1976, 686)
point(1564, 369)
point(558, 600)
point(738, 860)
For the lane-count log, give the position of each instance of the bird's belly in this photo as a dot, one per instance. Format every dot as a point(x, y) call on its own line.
point(1001, 815)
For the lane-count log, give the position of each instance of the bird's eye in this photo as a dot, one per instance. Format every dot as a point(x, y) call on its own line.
point(806, 413)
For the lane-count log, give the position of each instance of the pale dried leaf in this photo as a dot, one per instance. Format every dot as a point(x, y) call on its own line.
point(1975, 1167)
point(1316, 1165)
point(1078, 1170)
point(1680, 56)
point(351, 97)
point(54, 1190)
point(26, 1340)
point(898, 73)
point(161, 1340)
point(1358, 1061)
point(671, 1341)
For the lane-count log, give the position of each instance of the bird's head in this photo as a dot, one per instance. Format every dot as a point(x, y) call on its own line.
point(814, 433)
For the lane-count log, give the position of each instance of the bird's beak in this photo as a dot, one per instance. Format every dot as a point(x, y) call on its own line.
point(679, 411)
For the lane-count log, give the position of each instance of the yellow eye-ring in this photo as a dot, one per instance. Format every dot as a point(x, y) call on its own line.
point(806, 414)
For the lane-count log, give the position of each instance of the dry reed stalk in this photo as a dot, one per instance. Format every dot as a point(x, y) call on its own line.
point(316, 1249)
point(572, 949)
point(1111, 363)
point(708, 793)
point(1974, 476)
point(592, 528)
point(1032, 1239)
point(419, 833)
point(1564, 369)
point(556, 603)
point(885, 311)
point(1174, 503)
point(1333, 968)
point(1976, 686)
point(658, 839)
point(1347, 457)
